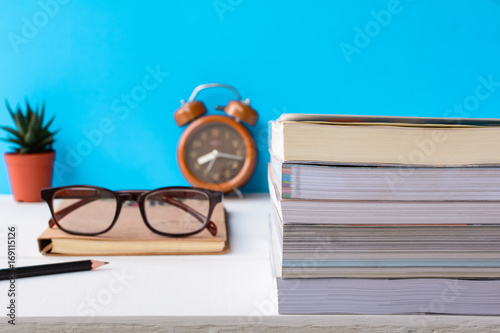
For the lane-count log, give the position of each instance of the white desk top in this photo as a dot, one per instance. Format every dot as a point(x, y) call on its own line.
point(237, 287)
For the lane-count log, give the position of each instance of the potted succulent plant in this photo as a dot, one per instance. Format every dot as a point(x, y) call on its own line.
point(31, 164)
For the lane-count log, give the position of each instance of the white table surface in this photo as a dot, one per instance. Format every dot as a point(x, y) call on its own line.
point(234, 290)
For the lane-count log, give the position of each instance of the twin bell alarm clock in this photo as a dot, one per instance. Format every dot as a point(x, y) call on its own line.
point(216, 152)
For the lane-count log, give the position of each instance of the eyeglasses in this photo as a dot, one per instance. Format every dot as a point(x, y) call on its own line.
point(170, 211)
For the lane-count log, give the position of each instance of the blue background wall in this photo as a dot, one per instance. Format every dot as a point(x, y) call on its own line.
point(418, 58)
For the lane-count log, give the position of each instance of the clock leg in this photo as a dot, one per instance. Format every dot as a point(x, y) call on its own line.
point(238, 192)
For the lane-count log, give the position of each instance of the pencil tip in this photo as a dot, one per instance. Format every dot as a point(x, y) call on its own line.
point(106, 262)
point(97, 264)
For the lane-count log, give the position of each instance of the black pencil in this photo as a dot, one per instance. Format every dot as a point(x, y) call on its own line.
point(65, 267)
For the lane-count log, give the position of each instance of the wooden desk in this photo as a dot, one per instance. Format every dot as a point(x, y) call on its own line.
point(184, 293)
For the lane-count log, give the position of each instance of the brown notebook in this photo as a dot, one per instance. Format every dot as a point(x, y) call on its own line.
point(130, 236)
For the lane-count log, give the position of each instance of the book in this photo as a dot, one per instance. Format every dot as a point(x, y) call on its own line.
point(130, 236)
point(354, 251)
point(396, 212)
point(388, 296)
point(375, 140)
point(342, 182)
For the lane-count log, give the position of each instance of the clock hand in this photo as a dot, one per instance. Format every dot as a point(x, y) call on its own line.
point(230, 156)
point(211, 164)
point(207, 157)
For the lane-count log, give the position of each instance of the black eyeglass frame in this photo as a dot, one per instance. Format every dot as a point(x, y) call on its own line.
point(214, 197)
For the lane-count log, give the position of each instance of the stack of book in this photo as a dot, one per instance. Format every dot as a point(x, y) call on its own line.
point(385, 215)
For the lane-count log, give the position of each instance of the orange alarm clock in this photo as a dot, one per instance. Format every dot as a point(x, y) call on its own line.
point(216, 152)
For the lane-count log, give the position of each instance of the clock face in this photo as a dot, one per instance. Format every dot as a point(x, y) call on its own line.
point(215, 153)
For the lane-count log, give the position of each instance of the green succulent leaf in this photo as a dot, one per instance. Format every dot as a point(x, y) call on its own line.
point(42, 113)
point(45, 142)
point(12, 131)
point(48, 124)
point(31, 135)
point(11, 140)
point(21, 119)
point(13, 115)
point(8, 106)
point(29, 111)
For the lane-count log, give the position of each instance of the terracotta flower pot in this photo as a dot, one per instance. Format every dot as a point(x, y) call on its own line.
point(29, 173)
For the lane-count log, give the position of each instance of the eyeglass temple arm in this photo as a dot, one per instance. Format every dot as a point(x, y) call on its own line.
point(212, 228)
point(66, 210)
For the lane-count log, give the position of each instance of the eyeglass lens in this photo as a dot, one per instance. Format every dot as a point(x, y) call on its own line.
point(85, 210)
point(177, 212)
